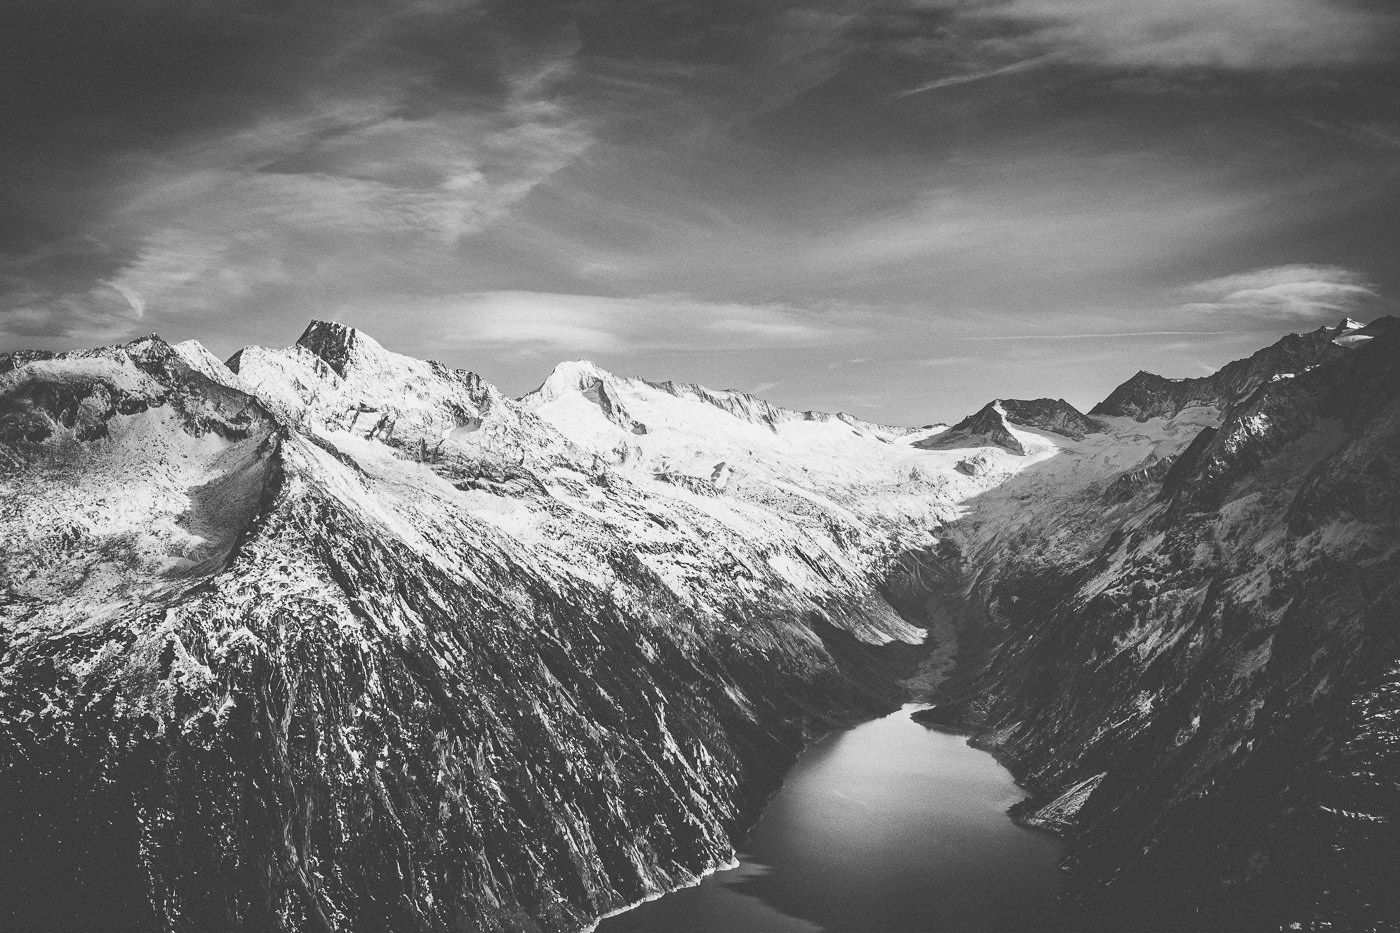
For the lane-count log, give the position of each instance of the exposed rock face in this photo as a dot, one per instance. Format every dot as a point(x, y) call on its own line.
point(991, 424)
point(1050, 414)
point(1147, 395)
point(1198, 666)
point(986, 426)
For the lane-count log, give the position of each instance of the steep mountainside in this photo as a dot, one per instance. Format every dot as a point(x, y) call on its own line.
point(1148, 395)
point(337, 639)
point(1197, 662)
point(330, 638)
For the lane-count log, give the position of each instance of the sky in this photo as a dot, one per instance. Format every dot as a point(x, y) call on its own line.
point(900, 209)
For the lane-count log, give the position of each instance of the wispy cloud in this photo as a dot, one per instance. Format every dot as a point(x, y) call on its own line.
point(1286, 294)
point(99, 315)
point(568, 325)
point(389, 168)
point(974, 76)
point(1102, 336)
point(1229, 34)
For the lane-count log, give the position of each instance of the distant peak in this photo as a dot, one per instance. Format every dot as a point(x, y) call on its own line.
point(337, 344)
point(149, 347)
point(579, 369)
point(148, 343)
point(570, 375)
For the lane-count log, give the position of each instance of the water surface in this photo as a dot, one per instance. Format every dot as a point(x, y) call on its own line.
point(887, 828)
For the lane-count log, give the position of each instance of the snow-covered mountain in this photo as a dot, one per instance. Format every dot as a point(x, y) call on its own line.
point(333, 638)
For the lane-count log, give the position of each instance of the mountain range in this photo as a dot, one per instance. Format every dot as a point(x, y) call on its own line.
point(330, 638)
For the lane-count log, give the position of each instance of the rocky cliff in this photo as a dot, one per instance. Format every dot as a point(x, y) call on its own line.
point(1147, 395)
point(1195, 663)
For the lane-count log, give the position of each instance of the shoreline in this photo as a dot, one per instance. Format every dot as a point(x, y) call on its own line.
point(729, 865)
point(940, 639)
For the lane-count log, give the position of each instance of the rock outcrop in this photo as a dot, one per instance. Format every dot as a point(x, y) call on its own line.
point(991, 424)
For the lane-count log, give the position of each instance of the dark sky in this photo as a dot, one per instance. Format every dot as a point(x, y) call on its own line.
point(899, 208)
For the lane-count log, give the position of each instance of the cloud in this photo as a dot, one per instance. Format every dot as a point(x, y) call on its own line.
point(1119, 335)
point(1289, 293)
point(357, 189)
point(974, 76)
point(1029, 222)
point(100, 315)
point(329, 153)
point(1244, 35)
point(933, 362)
point(565, 325)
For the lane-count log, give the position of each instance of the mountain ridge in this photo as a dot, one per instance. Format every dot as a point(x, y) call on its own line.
point(250, 606)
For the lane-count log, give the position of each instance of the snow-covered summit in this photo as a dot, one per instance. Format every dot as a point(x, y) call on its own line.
point(569, 375)
point(337, 380)
point(594, 383)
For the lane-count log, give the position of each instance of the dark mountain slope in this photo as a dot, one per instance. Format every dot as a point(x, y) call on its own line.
point(1147, 395)
point(1206, 696)
point(989, 424)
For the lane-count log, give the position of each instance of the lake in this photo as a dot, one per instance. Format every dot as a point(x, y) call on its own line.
point(886, 828)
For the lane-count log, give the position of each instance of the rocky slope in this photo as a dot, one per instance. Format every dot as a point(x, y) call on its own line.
point(991, 424)
point(334, 639)
point(1195, 662)
point(1147, 395)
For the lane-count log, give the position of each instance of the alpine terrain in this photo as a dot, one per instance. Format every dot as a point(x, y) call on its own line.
point(330, 638)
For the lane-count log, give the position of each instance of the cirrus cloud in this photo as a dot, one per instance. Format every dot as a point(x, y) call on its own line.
point(1228, 34)
point(571, 324)
point(1297, 292)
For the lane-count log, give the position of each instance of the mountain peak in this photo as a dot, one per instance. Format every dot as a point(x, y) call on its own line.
point(1148, 395)
point(593, 383)
point(991, 424)
point(568, 376)
point(986, 426)
point(578, 370)
point(337, 344)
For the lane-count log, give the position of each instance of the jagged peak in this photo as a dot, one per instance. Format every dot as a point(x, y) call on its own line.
point(339, 345)
point(1350, 334)
point(1147, 395)
point(148, 347)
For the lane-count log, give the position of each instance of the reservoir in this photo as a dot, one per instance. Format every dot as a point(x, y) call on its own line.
point(886, 828)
